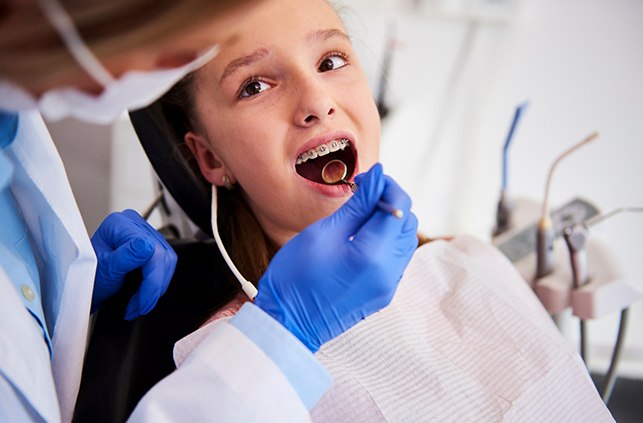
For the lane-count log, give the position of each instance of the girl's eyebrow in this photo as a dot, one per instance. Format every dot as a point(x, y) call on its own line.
point(236, 64)
point(325, 34)
point(242, 61)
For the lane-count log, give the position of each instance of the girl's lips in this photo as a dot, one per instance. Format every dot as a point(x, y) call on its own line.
point(338, 190)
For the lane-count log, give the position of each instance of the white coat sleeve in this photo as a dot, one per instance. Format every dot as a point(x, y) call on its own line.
point(234, 377)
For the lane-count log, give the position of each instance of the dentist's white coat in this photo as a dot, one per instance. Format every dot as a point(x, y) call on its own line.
point(226, 379)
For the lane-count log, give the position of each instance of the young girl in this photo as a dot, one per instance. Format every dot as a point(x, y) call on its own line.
point(464, 338)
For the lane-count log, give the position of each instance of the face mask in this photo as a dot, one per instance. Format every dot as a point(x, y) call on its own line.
point(133, 90)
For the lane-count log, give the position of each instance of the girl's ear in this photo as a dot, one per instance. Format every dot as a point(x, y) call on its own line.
point(212, 168)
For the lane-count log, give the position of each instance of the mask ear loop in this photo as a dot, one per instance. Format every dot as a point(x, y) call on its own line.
point(62, 23)
point(247, 286)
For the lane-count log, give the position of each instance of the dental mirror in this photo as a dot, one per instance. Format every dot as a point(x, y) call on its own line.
point(335, 171)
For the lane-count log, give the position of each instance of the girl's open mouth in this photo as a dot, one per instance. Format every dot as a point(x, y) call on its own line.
point(310, 163)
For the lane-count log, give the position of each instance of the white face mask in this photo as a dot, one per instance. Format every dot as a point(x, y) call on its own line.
point(133, 90)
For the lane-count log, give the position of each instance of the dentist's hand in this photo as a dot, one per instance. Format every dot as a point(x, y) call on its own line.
point(342, 268)
point(124, 242)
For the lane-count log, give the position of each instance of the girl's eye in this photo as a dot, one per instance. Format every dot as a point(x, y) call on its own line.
point(332, 62)
point(253, 88)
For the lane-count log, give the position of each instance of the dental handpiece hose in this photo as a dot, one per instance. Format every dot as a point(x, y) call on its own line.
point(610, 375)
point(575, 238)
point(545, 234)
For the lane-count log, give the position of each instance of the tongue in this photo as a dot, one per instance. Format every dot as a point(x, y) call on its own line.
point(312, 168)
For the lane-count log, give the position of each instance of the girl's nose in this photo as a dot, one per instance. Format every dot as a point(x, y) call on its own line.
point(315, 104)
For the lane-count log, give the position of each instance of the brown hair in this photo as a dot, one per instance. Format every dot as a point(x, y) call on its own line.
point(31, 52)
point(248, 246)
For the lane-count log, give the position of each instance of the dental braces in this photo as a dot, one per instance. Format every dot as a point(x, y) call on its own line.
point(323, 149)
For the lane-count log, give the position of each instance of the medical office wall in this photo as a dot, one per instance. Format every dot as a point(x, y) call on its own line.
point(454, 73)
point(457, 72)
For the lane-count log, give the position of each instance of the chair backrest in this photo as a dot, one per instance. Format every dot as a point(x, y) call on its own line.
point(125, 359)
point(173, 164)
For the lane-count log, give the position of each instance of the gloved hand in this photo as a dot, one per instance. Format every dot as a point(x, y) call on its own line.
point(342, 268)
point(123, 242)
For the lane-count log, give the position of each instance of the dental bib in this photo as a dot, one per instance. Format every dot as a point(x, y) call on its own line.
point(464, 339)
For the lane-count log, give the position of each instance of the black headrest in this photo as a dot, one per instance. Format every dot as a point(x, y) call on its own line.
point(180, 176)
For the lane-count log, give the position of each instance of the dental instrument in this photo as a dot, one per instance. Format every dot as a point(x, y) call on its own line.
point(576, 237)
point(335, 172)
point(545, 233)
point(503, 212)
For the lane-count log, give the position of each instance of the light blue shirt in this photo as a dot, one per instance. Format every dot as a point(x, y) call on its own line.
point(308, 377)
point(16, 254)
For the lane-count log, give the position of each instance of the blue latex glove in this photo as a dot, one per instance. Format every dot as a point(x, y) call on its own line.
point(124, 242)
point(344, 267)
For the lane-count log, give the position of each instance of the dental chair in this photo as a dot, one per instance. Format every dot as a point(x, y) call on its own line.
point(125, 359)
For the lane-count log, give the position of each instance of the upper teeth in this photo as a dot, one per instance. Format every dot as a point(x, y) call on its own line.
point(323, 149)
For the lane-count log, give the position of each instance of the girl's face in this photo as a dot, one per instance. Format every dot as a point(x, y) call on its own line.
point(289, 84)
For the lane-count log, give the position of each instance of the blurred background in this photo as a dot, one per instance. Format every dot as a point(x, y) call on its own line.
point(448, 75)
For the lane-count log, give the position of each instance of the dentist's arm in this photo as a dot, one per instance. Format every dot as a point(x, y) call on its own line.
point(259, 366)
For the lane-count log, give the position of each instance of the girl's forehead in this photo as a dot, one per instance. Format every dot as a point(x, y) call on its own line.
point(282, 20)
point(249, 51)
point(282, 26)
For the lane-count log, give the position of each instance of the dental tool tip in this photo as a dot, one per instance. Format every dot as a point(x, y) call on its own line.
point(352, 185)
point(390, 209)
point(398, 213)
